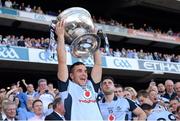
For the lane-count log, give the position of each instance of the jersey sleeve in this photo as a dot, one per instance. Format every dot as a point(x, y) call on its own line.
point(132, 105)
point(62, 86)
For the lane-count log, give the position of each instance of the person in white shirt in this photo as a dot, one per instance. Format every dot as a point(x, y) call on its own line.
point(117, 108)
point(157, 115)
point(8, 4)
point(44, 95)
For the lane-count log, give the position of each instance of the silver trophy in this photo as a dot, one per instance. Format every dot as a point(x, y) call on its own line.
point(79, 31)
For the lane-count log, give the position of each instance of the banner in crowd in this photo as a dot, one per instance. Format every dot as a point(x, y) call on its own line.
point(48, 57)
point(36, 16)
point(89, 61)
point(8, 11)
point(14, 53)
point(121, 63)
point(45, 56)
point(159, 66)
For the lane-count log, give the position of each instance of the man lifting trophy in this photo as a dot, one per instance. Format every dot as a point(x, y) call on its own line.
point(74, 26)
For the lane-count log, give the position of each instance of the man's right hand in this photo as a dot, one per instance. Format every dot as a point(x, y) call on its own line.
point(60, 30)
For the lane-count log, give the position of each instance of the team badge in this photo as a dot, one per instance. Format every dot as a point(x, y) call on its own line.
point(87, 94)
point(111, 117)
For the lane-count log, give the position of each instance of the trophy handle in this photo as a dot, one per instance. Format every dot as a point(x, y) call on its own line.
point(53, 36)
point(106, 41)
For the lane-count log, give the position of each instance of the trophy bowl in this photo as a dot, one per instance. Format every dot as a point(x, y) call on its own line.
point(79, 32)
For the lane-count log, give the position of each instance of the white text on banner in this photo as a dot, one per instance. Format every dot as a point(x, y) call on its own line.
point(122, 63)
point(45, 56)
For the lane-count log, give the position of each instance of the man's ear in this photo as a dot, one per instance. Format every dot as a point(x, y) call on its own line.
point(71, 76)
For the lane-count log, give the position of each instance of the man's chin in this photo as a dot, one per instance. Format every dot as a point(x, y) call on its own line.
point(108, 92)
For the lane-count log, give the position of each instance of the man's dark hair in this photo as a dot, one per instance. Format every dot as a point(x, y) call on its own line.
point(146, 106)
point(35, 102)
point(118, 85)
point(56, 101)
point(143, 93)
point(75, 64)
point(108, 77)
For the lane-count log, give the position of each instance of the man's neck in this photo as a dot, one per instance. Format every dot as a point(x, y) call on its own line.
point(58, 112)
point(10, 119)
point(109, 97)
point(169, 92)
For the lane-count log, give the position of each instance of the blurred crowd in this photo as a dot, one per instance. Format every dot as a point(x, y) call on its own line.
point(161, 96)
point(43, 43)
point(38, 9)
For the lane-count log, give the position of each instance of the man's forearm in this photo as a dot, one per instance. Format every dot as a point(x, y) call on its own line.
point(97, 58)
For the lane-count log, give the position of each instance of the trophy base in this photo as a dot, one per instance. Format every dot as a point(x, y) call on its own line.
point(85, 45)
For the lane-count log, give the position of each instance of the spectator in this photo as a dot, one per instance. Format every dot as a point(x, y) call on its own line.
point(156, 115)
point(26, 113)
point(157, 102)
point(30, 88)
point(38, 110)
point(15, 5)
point(58, 113)
point(51, 89)
point(79, 93)
point(173, 104)
point(16, 92)
point(143, 97)
point(161, 89)
point(9, 109)
point(178, 113)
point(28, 8)
point(21, 41)
point(8, 4)
point(170, 94)
point(114, 108)
point(39, 10)
point(22, 6)
point(0, 6)
point(118, 90)
point(177, 89)
point(132, 92)
point(117, 53)
point(34, 9)
point(44, 95)
point(2, 113)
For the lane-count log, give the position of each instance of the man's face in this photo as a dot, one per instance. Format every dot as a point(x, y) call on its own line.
point(79, 74)
point(11, 111)
point(161, 88)
point(127, 94)
point(169, 86)
point(177, 88)
point(61, 108)
point(153, 96)
point(174, 104)
point(141, 100)
point(42, 86)
point(38, 108)
point(30, 88)
point(108, 86)
point(119, 92)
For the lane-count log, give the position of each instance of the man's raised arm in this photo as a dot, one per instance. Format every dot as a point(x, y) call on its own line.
point(61, 52)
point(96, 72)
